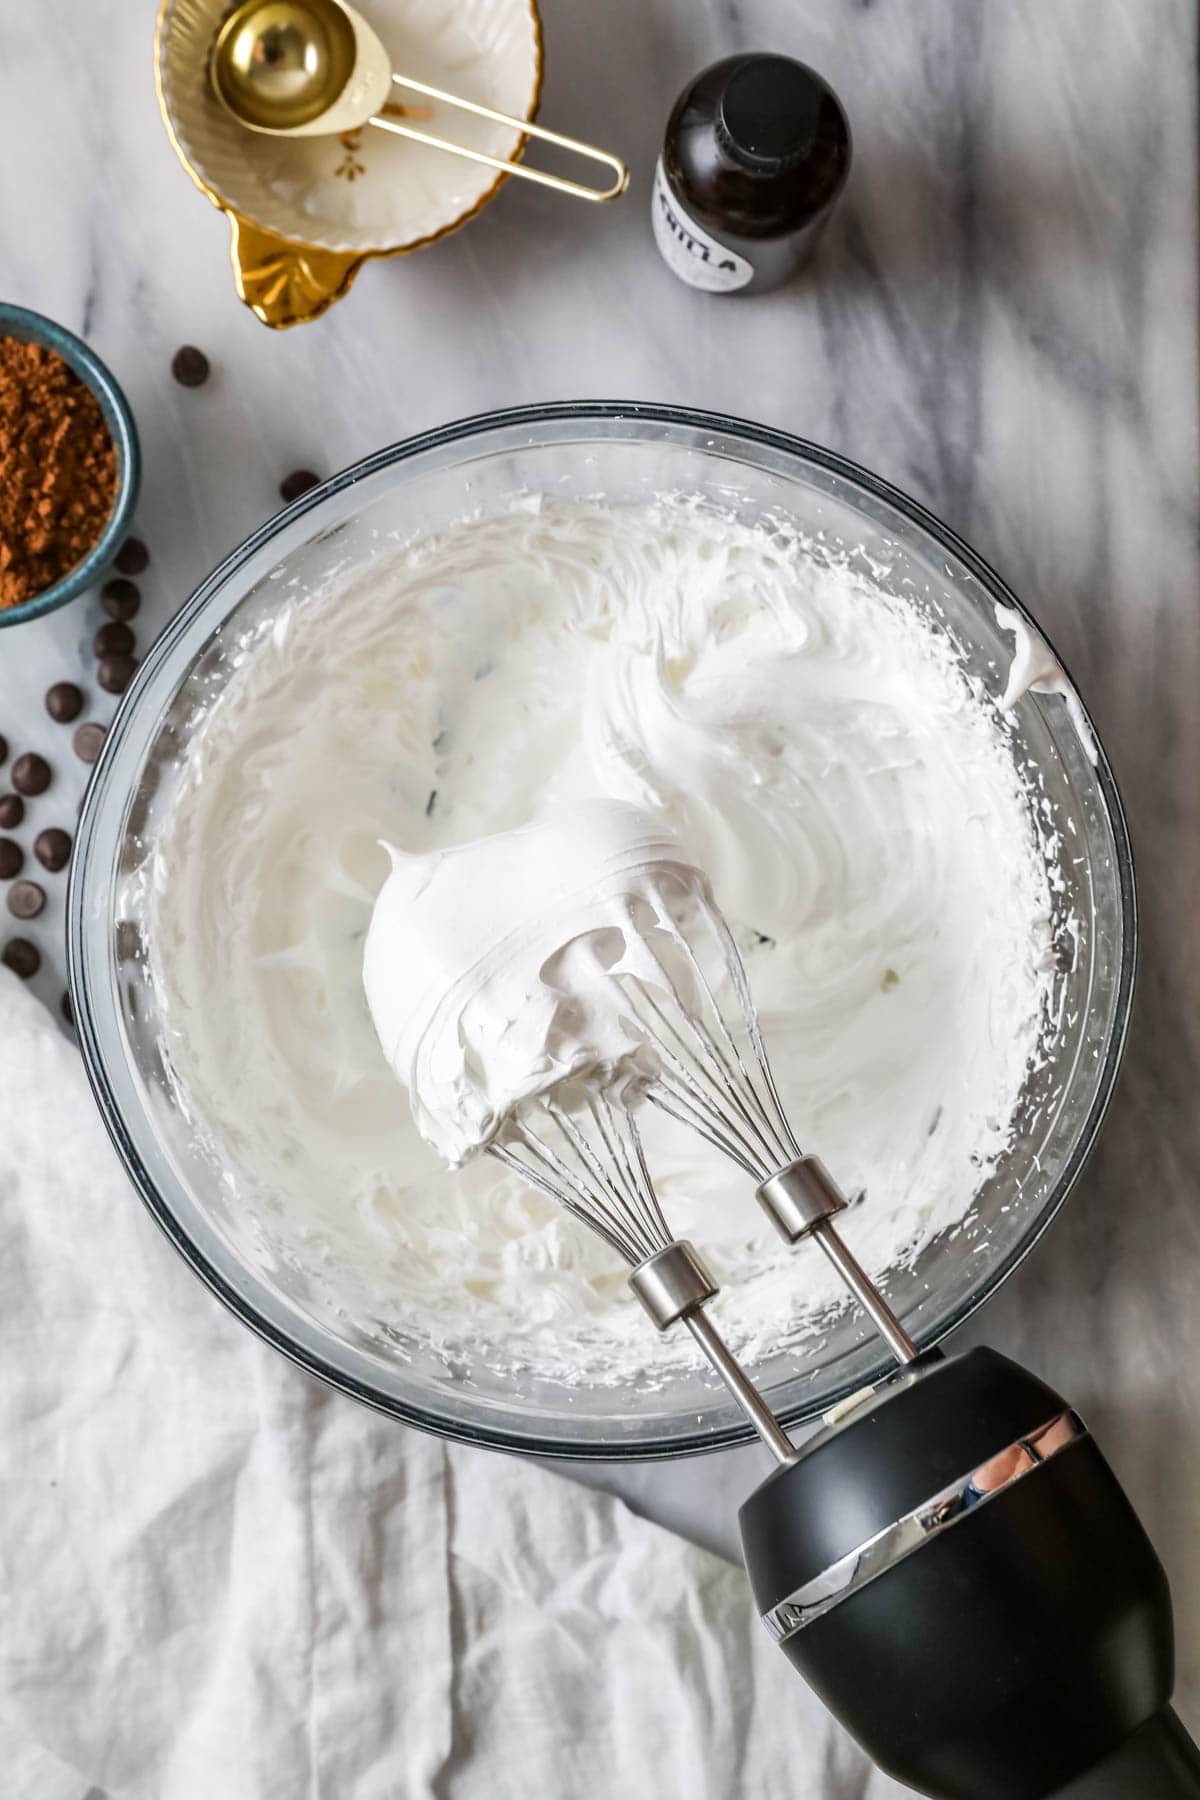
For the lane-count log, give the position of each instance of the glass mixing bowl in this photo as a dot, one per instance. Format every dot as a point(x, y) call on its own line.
point(624, 453)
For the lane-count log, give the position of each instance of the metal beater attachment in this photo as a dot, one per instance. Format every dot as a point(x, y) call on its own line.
point(590, 1159)
point(801, 1200)
point(708, 1084)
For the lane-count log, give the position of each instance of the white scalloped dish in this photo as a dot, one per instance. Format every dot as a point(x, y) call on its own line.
point(306, 212)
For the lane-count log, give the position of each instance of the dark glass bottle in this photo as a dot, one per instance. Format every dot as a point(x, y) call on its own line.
point(757, 150)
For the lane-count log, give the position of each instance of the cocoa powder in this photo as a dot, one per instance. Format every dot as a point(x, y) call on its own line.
point(58, 470)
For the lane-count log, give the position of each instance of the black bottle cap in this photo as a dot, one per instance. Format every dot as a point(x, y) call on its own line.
point(773, 112)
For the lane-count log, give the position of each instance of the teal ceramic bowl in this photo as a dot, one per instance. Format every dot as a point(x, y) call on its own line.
point(32, 328)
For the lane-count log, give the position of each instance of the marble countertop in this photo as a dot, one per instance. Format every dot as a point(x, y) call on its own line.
point(1002, 321)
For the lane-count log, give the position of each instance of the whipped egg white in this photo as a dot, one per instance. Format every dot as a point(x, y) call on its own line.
point(493, 970)
point(813, 743)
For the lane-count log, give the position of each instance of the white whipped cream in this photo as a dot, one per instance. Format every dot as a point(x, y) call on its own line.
point(491, 968)
point(820, 753)
point(1035, 669)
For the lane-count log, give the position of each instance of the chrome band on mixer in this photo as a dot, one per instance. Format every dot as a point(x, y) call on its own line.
point(934, 1515)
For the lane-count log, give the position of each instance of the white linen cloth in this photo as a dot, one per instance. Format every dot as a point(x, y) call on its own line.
point(220, 1580)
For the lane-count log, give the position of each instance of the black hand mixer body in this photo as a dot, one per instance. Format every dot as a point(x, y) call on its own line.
point(955, 1570)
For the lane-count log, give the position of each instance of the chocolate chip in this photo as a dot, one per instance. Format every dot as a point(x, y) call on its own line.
point(64, 702)
point(12, 858)
point(31, 773)
point(67, 1010)
point(132, 557)
point(22, 957)
point(3, 750)
point(190, 366)
point(297, 483)
point(52, 848)
point(12, 811)
point(119, 598)
point(113, 639)
point(26, 899)
point(115, 673)
point(87, 744)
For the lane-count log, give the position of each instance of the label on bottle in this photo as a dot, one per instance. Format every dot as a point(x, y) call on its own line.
point(691, 252)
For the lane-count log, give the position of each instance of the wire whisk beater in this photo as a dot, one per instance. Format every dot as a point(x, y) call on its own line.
point(589, 1158)
point(727, 1093)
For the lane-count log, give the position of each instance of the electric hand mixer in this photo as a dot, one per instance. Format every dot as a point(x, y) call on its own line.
point(950, 1563)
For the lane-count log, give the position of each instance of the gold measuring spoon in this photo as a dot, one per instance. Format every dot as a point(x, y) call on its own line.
point(314, 68)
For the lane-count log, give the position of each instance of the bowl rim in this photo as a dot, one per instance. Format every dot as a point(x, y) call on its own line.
point(80, 901)
point(35, 328)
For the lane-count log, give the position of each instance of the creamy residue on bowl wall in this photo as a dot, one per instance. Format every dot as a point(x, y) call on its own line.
point(818, 747)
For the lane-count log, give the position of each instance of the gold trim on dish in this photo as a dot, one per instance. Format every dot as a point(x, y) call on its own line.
point(286, 283)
